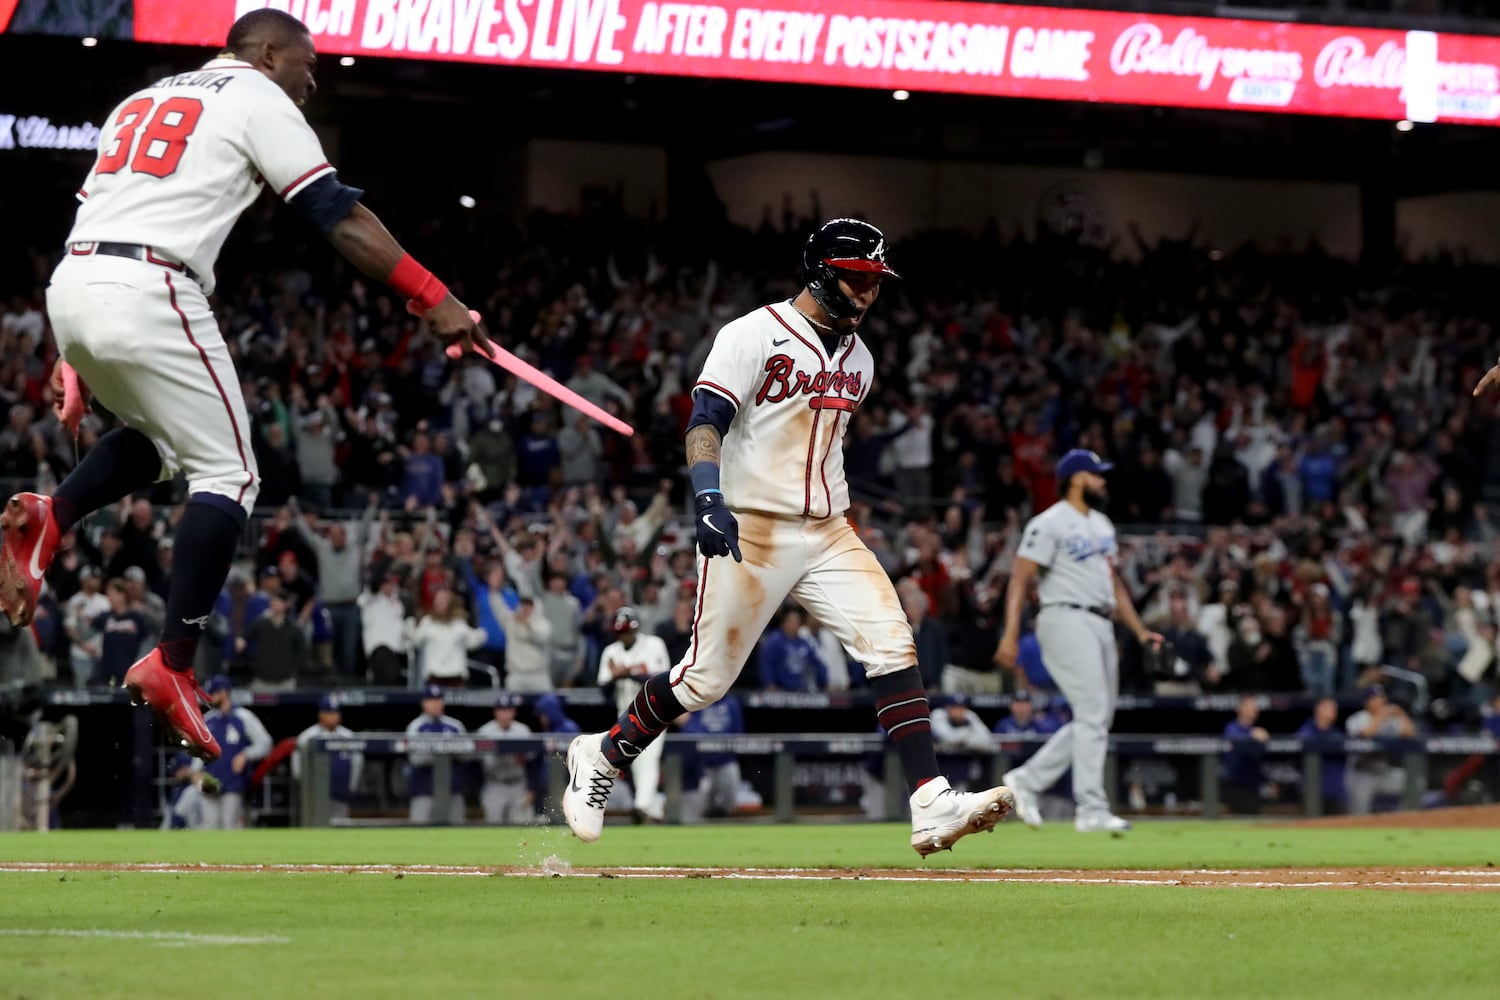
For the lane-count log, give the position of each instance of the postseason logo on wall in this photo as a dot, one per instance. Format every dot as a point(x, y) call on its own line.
point(916, 45)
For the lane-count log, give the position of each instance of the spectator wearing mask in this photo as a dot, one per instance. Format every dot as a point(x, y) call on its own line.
point(492, 461)
point(419, 772)
point(1241, 769)
point(441, 641)
point(1262, 658)
point(789, 662)
point(346, 767)
point(244, 741)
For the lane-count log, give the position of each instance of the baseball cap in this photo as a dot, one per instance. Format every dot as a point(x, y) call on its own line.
point(507, 700)
point(216, 683)
point(433, 691)
point(328, 703)
point(1021, 695)
point(135, 573)
point(1080, 460)
point(89, 573)
point(1372, 691)
point(958, 699)
point(269, 571)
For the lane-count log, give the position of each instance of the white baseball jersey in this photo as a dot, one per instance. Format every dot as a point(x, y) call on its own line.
point(180, 161)
point(1076, 552)
point(784, 453)
point(649, 652)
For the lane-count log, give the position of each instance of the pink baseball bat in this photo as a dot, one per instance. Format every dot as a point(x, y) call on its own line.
point(521, 370)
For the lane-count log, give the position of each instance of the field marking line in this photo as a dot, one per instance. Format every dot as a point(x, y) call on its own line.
point(169, 938)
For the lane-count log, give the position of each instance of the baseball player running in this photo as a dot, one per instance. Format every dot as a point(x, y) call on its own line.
point(628, 663)
point(178, 162)
point(1072, 546)
point(765, 454)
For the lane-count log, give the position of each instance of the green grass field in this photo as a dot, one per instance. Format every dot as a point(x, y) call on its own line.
point(376, 935)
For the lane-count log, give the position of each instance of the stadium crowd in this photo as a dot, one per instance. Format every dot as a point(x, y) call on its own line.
point(1300, 469)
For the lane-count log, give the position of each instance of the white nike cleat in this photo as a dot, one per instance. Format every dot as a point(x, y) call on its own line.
point(590, 780)
point(1100, 823)
point(940, 815)
point(1027, 809)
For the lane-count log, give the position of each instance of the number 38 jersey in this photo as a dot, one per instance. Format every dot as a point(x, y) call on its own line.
point(180, 161)
point(784, 453)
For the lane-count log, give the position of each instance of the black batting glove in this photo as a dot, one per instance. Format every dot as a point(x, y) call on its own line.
point(718, 531)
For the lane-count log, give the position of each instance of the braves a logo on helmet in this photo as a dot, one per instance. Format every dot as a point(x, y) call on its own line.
point(879, 252)
point(784, 379)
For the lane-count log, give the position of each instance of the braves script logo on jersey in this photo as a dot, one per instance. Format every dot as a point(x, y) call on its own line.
point(784, 379)
point(1082, 547)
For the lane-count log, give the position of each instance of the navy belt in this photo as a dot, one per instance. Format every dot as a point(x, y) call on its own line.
point(1108, 614)
point(135, 252)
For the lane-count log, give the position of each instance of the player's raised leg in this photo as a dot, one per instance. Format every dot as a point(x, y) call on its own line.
point(849, 591)
point(735, 601)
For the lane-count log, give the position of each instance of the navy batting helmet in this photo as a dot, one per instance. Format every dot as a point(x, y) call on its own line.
point(626, 620)
point(842, 245)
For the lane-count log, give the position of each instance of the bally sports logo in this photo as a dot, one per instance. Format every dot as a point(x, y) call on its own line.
point(1260, 76)
point(1464, 90)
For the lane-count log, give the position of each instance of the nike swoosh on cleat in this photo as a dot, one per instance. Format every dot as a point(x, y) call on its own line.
point(36, 555)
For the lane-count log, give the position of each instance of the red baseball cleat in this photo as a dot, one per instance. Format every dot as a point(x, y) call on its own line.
point(174, 697)
point(30, 541)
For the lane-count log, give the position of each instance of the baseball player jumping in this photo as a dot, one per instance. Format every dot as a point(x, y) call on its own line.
point(1072, 546)
point(765, 454)
point(178, 163)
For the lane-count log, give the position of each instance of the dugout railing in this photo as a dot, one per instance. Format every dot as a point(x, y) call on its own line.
point(785, 751)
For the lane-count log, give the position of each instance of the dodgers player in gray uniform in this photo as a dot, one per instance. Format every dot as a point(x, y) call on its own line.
point(1071, 546)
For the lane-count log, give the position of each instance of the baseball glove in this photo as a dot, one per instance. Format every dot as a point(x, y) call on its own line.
point(1160, 660)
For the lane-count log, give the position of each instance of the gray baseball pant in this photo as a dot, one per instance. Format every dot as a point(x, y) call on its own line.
point(1078, 650)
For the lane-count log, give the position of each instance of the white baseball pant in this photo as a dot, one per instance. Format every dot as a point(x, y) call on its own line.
point(824, 566)
point(145, 341)
point(1078, 648)
point(420, 809)
point(505, 802)
point(645, 774)
point(223, 812)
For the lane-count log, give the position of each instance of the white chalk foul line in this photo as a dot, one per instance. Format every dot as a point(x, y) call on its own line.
point(1251, 878)
point(170, 938)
